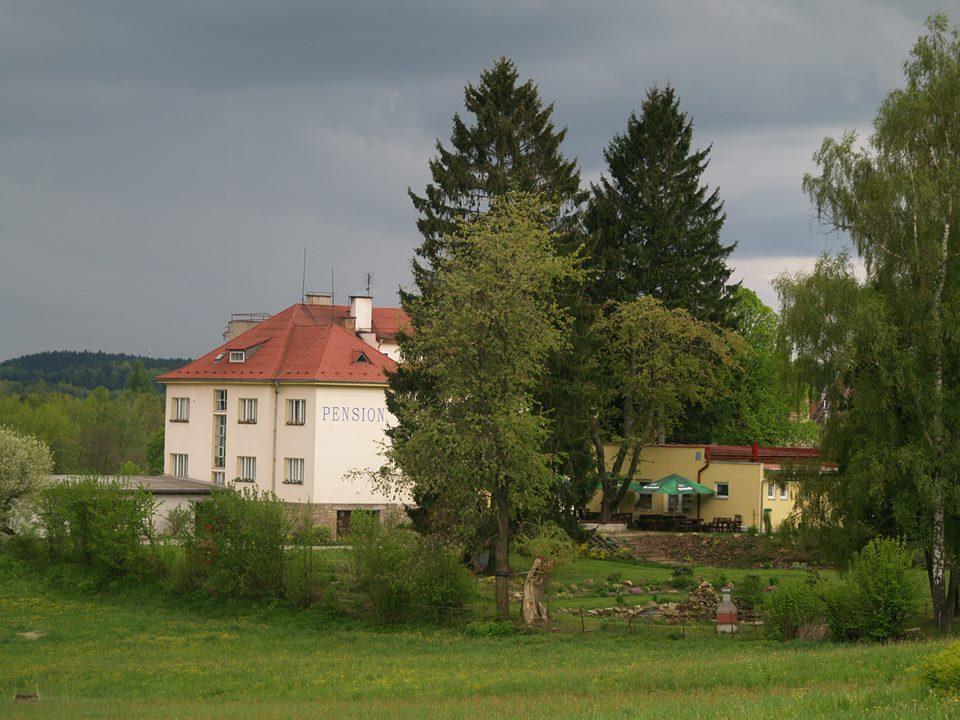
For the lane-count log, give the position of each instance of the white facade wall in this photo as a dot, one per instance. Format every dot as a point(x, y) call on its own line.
point(343, 434)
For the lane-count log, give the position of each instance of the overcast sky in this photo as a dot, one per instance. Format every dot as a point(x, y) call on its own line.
point(163, 164)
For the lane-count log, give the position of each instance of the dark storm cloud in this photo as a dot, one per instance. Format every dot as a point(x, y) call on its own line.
point(164, 163)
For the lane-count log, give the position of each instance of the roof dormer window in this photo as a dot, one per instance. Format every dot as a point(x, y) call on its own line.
point(238, 356)
point(362, 358)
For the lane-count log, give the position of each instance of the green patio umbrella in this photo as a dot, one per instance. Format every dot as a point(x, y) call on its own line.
point(677, 485)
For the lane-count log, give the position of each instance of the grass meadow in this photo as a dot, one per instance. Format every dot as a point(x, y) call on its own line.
point(134, 653)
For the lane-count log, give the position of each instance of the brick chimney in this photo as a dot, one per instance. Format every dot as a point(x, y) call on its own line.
point(318, 298)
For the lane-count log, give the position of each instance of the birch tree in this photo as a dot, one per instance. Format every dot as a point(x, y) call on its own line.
point(896, 197)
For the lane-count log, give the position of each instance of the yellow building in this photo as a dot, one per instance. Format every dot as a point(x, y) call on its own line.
point(746, 482)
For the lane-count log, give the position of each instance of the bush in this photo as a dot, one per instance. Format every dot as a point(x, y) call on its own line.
point(498, 628)
point(24, 463)
point(307, 577)
point(789, 606)
point(404, 574)
point(875, 597)
point(98, 523)
point(236, 545)
point(941, 672)
point(748, 594)
point(842, 607)
point(682, 578)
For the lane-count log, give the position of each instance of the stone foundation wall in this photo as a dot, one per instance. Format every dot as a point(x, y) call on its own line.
point(327, 514)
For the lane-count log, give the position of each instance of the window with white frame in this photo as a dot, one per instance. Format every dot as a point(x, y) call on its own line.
point(679, 503)
point(179, 409)
point(219, 440)
point(723, 490)
point(178, 465)
point(237, 356)
point(784, 492)
point(248, 411)
point(645, 501)
point(219, 400)
point(293, 471)
point(296, 412)
point(217, 477)
point(771, 491)
point(246, 469)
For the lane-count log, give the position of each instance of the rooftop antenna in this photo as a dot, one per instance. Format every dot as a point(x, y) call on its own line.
point(333, 295)
point(369, 282)
point(303, 279)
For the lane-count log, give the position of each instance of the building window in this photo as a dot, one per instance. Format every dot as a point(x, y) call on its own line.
point(723, 490)
point(679, 503)
point(293, 471)
point(179, 409)
point(784, 492)
point(219, 400)
point(296, 412)
point(248, 411)
point(178, 465)
point(219, 440)
point(217, 477)
point(246, 469)
point(237, 356)
point(771, 491)
point(645, 501)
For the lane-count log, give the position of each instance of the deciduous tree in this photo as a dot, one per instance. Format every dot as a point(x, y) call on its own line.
point(894, 359)
point(475, 443)
point(660, 359)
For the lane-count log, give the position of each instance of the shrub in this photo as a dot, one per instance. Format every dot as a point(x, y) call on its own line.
point(682, 578)
point(875, 597)
point(236, 545)
point(748, 594)
point(789, 606)
point(307, 577)
point(179, 520)
point(941, 671)
point(842, 607)
point(98, 523)
point(498, 628)
point(404, 574)
point(24, 462)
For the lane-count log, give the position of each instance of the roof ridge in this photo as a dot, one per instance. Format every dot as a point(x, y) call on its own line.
point(281, 356)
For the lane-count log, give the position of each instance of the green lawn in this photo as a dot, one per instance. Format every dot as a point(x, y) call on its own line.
point(136, 654)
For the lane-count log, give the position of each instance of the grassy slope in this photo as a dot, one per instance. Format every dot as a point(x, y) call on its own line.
point(139, 655)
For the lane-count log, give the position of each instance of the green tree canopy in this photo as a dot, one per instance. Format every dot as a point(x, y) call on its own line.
point(889, 347)
point(654, 225)
point(475, 443)
point(661, 360)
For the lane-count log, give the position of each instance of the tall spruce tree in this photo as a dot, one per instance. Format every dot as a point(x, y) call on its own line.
point(507, 143)
point(655, 227)
point(512, 145)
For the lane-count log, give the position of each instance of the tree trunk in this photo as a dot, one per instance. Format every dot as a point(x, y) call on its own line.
point(938, 588)
point(952, 598)
point(502, 510)
point(938, 550)
point(534, 611)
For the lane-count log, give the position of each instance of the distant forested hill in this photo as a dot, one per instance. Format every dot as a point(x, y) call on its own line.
point(76, 372)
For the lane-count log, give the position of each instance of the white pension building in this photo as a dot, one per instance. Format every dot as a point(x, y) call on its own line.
point(293, 404)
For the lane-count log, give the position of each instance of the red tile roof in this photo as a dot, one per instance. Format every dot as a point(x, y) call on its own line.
point(305, 343)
